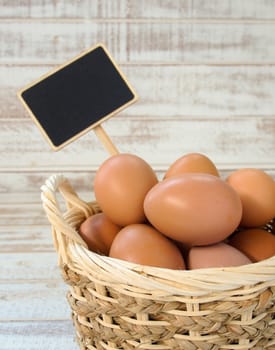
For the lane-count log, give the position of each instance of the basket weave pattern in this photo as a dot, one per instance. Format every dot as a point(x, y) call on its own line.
point(119, 305)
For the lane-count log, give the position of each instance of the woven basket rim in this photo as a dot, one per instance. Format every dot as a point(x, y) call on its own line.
point(105, 270)
point(199, 282)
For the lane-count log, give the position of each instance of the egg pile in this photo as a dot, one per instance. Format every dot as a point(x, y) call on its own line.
point(190, 219)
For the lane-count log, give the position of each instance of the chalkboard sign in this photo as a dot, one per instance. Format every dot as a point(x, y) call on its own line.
point(78, 97)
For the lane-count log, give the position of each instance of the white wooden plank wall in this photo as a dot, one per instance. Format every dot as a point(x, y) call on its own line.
point(205, 74)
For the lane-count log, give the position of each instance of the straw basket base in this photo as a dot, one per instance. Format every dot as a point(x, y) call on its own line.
point(117, 305)
point(106, 318)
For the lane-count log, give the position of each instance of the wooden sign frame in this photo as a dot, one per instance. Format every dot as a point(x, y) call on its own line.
point(96, 126)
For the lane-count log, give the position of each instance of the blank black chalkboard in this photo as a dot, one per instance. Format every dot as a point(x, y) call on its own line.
point(77, 97)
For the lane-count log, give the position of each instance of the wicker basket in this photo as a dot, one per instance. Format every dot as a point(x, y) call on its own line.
point(120, 305)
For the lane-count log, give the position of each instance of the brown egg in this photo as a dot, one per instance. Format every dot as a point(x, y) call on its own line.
point(192, 163)
point(257, 192)
point(142, 244)
point(195, 209)
point(120, 186)
point(216, 255)
point(256, 243)
point(98, 232)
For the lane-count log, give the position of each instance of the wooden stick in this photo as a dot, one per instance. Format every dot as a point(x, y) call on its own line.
point(105, 139)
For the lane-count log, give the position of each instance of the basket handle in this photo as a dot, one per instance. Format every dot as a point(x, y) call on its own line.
point(62, 231)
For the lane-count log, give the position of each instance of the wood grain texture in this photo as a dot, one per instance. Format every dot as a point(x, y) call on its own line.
point(18, 237)
point(205, 74)
point(170, 91)
point(25, 300)
point(128, 9)
point(34, 335)
point(133, 42)
point(29, 266)
point(229, 141)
